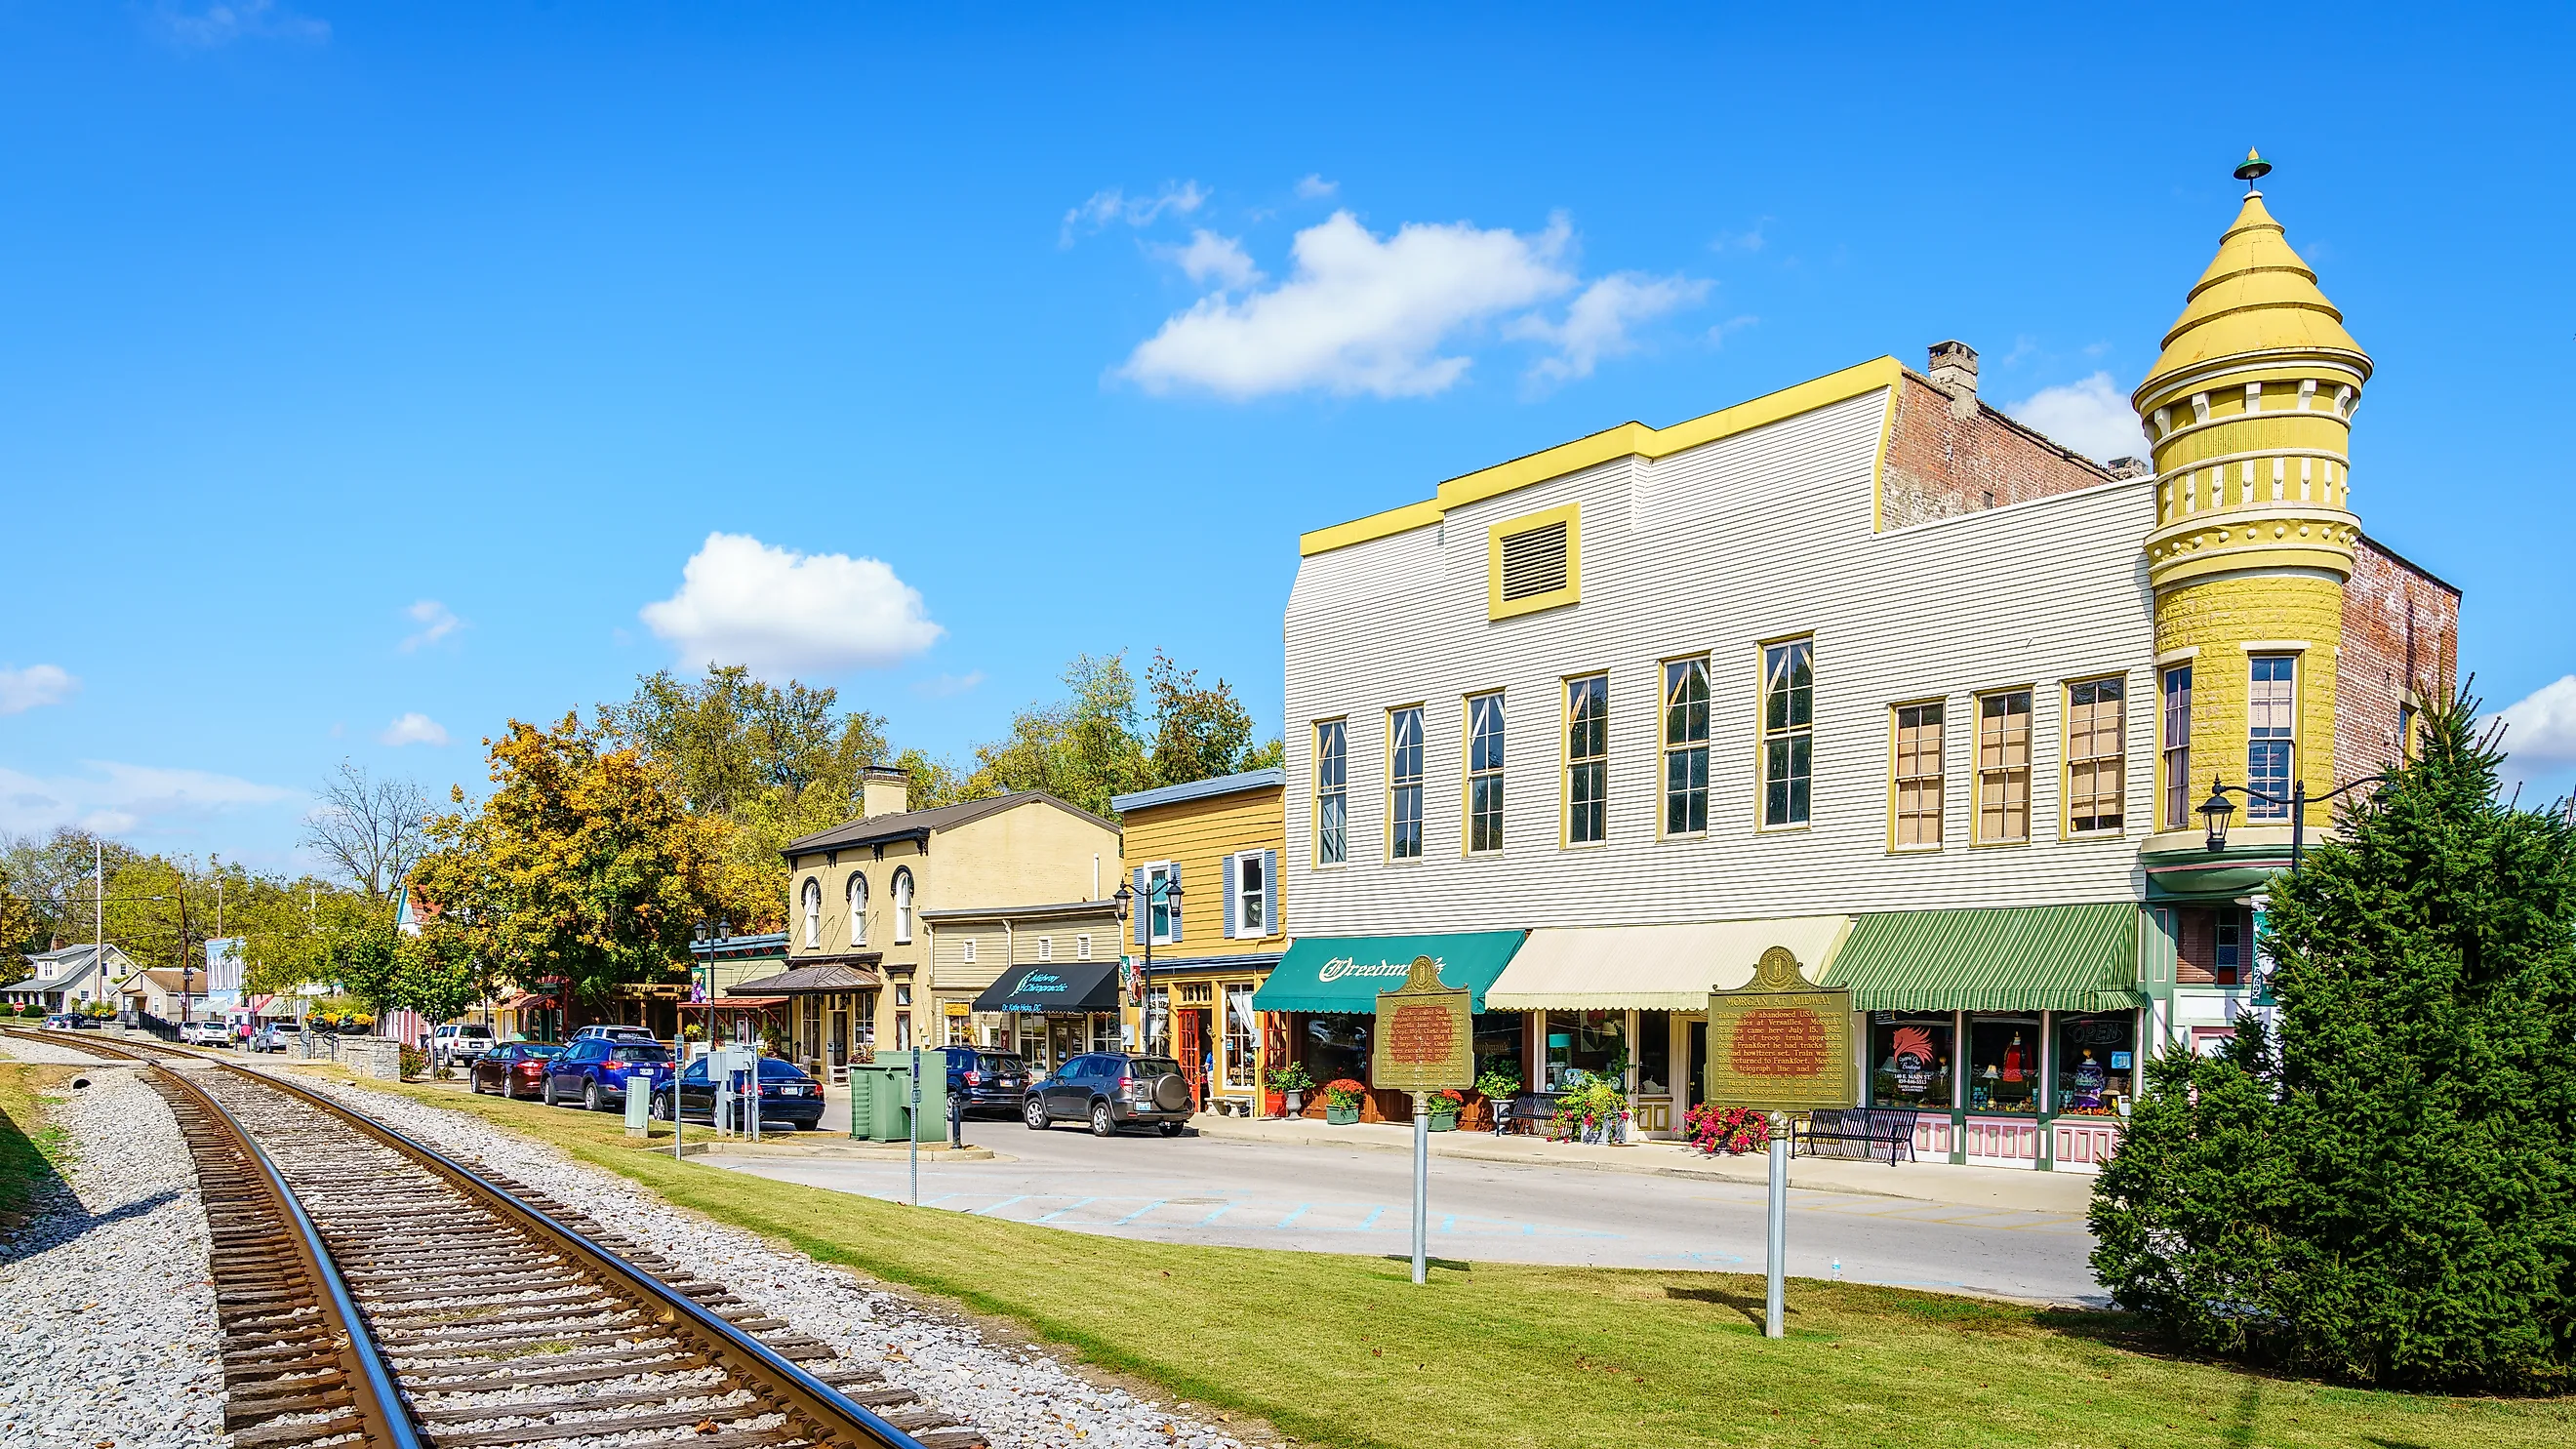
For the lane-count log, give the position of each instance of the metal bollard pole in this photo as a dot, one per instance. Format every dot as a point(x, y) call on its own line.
point(1421, 1183)
point(912, 1127)
point(1778, 1237)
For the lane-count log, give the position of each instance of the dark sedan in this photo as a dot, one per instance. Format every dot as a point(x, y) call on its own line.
point(513, 1069)
point(788, 1097)
point(984, 1079)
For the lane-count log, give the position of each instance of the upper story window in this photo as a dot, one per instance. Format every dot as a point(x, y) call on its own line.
point(1082, 946)
point(813, 903)
point(1404, 783)
point(1249, 892)
point(1162, 917)
point(903, 905)
point(2097, 755)
point(2003, 766)
point(1788, 731)
point(1587, 759)
point(1686, 747)
point(1332, 791)
point(1533, 562)
point(2271, 712)
point(2227, 949)
point(1918, 776)
point(2177, 725)
point(966, 950)
point(1046, 948)
point(1485, 773)
point(858, 890)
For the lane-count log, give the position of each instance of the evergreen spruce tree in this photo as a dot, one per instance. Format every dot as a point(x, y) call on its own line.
point(2387, 1192)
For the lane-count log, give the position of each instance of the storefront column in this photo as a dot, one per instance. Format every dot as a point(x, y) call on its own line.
point(1959, 1089)
point(2047, 1091)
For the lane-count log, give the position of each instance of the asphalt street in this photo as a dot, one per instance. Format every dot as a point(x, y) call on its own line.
point(1331, 1200)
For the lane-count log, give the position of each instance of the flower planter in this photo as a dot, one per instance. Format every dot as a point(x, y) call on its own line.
point(1340, 1116)
point(1274, 1104)
point(1444, 1121)
point(1296, 1104)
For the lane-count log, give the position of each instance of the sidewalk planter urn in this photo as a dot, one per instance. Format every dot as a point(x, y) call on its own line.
point(1340, 1116)
point(1296, 1102)
point(1444, 1121)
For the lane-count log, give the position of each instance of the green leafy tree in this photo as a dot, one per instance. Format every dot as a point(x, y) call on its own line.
point(437, 974)
point(1198, 733)
point(1084, 748)
point(2387, 1192)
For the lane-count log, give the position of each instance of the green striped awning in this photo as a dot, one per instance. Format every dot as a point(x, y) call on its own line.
point(2013, 958)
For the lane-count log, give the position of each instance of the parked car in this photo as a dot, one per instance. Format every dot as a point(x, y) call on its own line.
point(982, 1078)
point(788, 1097)
point(72, 1021)
point(596, 1071)
point(614, 1032)
point(271, 1038)
point(1111, 1090)
point(205, 1033)
point(459, 1041)
point(513, 1068)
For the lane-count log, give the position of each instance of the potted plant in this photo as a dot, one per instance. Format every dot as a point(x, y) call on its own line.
point(1729, 1130)
point(1595, 1112)
point(1342, 1098)
point(1499, 1086)
point(1288, 1084)
point(1443, 1106)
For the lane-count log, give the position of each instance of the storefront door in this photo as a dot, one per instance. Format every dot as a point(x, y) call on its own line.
point(1191, 1046)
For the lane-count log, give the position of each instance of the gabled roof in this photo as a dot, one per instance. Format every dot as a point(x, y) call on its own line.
point(922, 824)
point(1235, 784)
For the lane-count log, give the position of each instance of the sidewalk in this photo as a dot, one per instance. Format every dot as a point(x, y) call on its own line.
point(1986, 1187)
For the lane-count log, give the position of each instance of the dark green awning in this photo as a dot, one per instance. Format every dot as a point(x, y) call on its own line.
point(1345, 973)
point(2014, 958)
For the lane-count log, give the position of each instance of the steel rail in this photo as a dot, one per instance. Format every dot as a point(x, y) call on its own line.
point(746, 1357)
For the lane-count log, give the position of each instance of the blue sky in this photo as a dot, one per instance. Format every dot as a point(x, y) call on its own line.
point(367, 372)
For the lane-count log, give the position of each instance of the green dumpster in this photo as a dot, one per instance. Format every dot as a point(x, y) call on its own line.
point(881, 1097)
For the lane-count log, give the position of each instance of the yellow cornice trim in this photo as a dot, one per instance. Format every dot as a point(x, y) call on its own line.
point(1626, 440)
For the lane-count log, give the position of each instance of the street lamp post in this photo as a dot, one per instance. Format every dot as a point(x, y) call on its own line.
point(1167, 892)
point(2216, 811)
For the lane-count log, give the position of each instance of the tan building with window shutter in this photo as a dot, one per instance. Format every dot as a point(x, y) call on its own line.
point(1223, 839)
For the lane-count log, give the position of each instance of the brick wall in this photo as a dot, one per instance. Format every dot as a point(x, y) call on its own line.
point(1939, 465)
point(2401, 630)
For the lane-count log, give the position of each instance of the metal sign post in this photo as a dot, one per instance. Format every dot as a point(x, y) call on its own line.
point(912, 1127)
point(1424, 1043)
point(1780, 1045)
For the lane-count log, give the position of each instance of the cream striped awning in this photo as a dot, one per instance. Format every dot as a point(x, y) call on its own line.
point(1654, 968)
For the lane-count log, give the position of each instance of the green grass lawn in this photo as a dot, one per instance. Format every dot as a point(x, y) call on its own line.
point(32, 1149)
point(1346, 1351)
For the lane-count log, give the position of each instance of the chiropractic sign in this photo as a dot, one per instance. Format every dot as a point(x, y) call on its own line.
point(1780, 1044)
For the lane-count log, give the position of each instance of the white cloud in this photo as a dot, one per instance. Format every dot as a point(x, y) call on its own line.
point(1751, 239)
point(116, 798)
point(2540, 728)
point(1360, 314)
point(436, 622)
point(1596, 325)
point(222, 24)
point(1221, 257)
point(782, 613)
point(2092, 417)
point(947, 686)
point(1113, 206)
point(413, 728)
point(35, 686)
point(1314, 187)
point(1717, 334)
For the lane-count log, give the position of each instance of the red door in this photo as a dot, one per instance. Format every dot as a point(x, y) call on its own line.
point(1192, 1044)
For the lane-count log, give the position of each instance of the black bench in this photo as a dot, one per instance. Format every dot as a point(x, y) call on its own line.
point(1859, 1132)
point(1528, 1110)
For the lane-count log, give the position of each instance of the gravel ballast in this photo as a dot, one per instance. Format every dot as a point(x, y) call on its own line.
point(1017, 1397)
point(107, 1319)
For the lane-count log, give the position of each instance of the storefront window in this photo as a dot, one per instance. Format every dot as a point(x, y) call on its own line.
point(1910, 1061)
point(1337, 1046)
point(1498, 1043)
point(1654, 1053)
point(2096, 1063)
point(1584, 1044)
point(2003, 1063)
point(1242, 1037)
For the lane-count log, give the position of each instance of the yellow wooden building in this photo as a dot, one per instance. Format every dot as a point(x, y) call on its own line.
point(1196, 962)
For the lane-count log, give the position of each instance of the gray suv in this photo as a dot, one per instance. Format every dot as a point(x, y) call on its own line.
point(1110, 1090)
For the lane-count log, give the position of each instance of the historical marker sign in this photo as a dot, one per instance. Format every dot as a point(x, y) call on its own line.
point(1425, 1038)
point(1780, 1044)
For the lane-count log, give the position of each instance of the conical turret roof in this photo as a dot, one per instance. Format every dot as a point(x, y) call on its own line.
point(2256, 297)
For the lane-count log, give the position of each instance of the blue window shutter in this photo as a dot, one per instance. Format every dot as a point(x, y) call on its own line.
point(1144, 907)
point(1176, 905)
point(1233, 927)
point(1277, 924)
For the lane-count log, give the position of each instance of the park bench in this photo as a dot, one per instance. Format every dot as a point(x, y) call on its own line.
point(1860, 1132)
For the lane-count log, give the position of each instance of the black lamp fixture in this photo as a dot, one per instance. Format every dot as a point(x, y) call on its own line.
point(2217, 810)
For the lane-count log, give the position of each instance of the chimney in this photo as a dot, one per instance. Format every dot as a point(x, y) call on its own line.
point(883, 791)
point(2130, 468)
point(1954, 371)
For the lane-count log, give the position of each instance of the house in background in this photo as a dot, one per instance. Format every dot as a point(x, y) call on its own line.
point(1221, 841)
point(171, 995)
point(68, 978)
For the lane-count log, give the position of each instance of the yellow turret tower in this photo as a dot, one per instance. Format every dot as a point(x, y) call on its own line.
point(2249, 412)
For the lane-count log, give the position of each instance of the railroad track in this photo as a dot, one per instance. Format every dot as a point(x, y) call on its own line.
point(374, 1291)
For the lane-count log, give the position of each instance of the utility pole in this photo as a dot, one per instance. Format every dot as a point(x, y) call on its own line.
point(98, 951)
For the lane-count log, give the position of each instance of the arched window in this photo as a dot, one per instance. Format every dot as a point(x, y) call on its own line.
point(813, 912)
point(903, 906)
point(858, 909)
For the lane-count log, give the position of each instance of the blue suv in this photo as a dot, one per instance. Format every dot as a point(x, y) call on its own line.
point(598, 1071)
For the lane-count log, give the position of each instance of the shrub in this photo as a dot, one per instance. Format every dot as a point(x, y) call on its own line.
point(1593, 1103)
point(1499, 1084)
point(1731, 1130)
point(415, 1062)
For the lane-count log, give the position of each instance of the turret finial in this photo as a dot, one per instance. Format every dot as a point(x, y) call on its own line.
point(2255, 167)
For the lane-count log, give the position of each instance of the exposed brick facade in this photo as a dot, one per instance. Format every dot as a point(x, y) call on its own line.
point(2401, 631)
point(1939, 464)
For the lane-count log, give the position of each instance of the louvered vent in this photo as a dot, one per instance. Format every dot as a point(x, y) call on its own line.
point(1534, 562)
